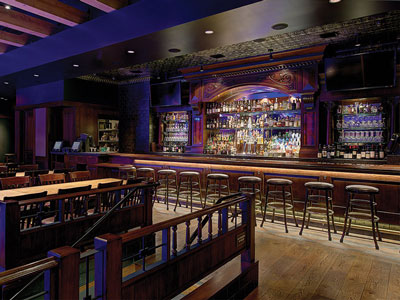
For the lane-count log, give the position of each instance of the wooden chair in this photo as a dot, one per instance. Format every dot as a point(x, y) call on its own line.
point(34, 174)
point(79, 176)
point(31, 215)
point(8, 174)
point(51, 178)
point(28, 167)
point(135, 198)
point(75, 206)
point(15, 182)
point(106, 200)
point(12, 167)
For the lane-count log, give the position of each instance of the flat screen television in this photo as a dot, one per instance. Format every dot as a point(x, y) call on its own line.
point(166, 94)
point(361, 71)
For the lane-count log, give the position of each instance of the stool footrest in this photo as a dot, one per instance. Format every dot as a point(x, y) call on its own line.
point(362, 216)
point(279, 205)
point(319, 211)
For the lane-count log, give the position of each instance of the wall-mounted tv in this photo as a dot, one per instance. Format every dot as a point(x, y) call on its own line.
point(166, 94)
point(361, 71)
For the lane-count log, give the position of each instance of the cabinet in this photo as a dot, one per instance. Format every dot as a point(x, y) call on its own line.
point(108, 134)
point(174, 131)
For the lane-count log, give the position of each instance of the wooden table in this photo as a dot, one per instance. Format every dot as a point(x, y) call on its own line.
point(52, 189)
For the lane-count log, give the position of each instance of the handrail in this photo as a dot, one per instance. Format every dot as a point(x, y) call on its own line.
point(134, 234)
point(17, 273)
point(205, 220)
point(98, 223)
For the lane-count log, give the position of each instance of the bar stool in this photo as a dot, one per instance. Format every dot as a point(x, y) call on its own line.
point(279, 199)
point(146, 174)
point(189, 185)
point(126, 172)
point(362, 206)
point(313, 201)
point(251, 185)
point(219, 188)
point(167, 179)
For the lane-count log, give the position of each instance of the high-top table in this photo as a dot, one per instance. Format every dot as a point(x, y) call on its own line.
point(52, 189)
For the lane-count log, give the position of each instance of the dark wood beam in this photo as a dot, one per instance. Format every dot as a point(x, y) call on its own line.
point(21, 22)
point(51, 9)
point(17, 40)
point(106, 5)
point(3, 48)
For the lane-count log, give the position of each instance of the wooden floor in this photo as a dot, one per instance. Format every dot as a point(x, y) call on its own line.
point(311, 267)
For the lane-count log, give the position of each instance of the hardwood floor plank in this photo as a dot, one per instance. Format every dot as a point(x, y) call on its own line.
point(335, 277)
point(311, 280)
point(394, 283)
point(377, 282)
point(356, 278)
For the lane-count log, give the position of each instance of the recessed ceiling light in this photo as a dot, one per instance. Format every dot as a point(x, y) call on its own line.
point(7, 7)
point(259, 40)
point(130, 51)
point(218, 55)
point(357, 45)
point(174, 50)
point(334, 1)
point(75, 65)
point(35, 75)
point(279, 26)
point(209, 32)
point(5, 82)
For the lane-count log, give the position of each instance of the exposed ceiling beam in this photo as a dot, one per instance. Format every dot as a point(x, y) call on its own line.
point(17, 40)
point(51, 9)
point(3, 48)
point(21, 22)
point(106, 5)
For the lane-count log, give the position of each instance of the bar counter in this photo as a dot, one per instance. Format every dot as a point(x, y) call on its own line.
point(376, 173)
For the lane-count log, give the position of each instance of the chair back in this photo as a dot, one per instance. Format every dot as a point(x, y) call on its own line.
point(28, 167)
point(31, 215)
point(51, 178)
point(76, 206)
point(79, 176)
point(12, 167)
point(65, 171)
point(34, 174)
point(15, 182)
point(106, 200)
point(8, 174)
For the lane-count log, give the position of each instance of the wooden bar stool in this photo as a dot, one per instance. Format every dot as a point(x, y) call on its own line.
point(316, 194)
point(279, 199)
point(215, 182)
point(167, 179)
point(146, 174)
point(362, 209)
point(251, 185)
point(126, 172)
point(189, 185)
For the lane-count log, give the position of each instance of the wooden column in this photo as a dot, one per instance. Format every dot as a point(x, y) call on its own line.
point(67, 274)
point(108, 266)
point(249, 217)
point(9, 234)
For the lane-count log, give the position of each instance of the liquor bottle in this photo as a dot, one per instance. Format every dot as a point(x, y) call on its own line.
point(372, 152)
point(354, 152)
point(276, 105)
point(367, 153)
point(363, 153)
point(324, 152)
point(381, 152)
point(333, 151)
point(294, 104)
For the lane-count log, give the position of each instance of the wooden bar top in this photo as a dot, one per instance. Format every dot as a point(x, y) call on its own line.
point(363, 166)
point(52, 189)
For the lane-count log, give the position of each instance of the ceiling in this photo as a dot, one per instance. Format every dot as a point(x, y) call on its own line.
point(99, 43)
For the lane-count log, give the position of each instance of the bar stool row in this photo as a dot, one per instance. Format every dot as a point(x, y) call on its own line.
point(279, 195)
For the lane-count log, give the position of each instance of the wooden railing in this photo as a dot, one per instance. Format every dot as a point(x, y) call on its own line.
point(165, 269)
point(21, 239)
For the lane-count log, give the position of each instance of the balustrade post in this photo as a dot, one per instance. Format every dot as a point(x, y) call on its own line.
point(62, 282)
point(249, 217)
point(108, 266)
point(9, 234)
point(225, 220)
point(148, 206)
point(166, 240)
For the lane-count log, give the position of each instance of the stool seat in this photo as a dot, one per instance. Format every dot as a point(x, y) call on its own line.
point(362, 189)
point(317, 185)
point(249, 179)
point(279, 181)
point(166, 172)
point(145, 169)
point(189, 173)
point(217, 176)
